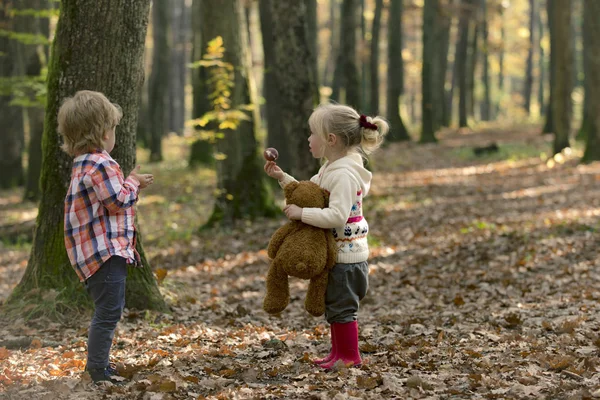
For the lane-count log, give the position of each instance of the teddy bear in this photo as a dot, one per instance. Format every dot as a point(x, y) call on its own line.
point(302, 251)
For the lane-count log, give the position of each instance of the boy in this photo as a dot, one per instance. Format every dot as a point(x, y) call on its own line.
point(99, 217)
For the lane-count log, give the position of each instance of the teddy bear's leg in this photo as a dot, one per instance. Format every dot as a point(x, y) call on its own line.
point(315, 297)
point(278, 289)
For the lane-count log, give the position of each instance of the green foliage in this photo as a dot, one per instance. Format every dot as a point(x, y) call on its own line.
point(221, 81)
point(25, 38)
point(26, 91)
point(30, 12)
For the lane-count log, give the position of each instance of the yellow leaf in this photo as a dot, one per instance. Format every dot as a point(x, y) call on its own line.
point(161, 274)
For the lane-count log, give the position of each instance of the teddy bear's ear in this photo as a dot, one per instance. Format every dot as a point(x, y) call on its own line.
point(289, 188)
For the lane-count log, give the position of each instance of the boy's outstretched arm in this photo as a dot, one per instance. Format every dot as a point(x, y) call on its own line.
point(112, 190)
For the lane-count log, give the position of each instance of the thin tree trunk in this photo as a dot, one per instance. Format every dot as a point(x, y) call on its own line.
point(395, 73)
point(486, 103)
point(549, 127)
point(591, 51)
point(333, 42)
point(82, 39)
point(560, 29)
point(542, 65)
point(529, 68)
point(461, 60)
point(501, 61)
point(445, 15)
point(348, 48)
point(472, 62)
point(374, 58)
point(11, 116)
point(365, 63)
point(178, 69)
point(427, 81)
point(158, 85)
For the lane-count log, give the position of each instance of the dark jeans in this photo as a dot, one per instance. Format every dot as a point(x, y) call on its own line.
point(107, 289)
point(347, 286)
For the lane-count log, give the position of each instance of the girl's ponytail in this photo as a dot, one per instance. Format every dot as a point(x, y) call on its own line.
point(372, 132)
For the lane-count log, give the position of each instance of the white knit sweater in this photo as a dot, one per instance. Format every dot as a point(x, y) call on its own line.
point(347, 182)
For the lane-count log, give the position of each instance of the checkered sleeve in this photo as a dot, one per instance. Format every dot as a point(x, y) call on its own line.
point(112, 190)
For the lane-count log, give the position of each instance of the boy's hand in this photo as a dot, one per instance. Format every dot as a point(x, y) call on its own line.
point(292, 211)
point(273, 170)
point(145, 180)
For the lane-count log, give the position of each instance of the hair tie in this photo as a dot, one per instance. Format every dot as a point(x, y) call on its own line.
point(362, 121)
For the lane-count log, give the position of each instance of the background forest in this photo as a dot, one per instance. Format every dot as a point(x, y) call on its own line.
point(483, 212)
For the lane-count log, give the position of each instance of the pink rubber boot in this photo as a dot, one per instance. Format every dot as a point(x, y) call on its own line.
point(346, 336)
point(333, 351)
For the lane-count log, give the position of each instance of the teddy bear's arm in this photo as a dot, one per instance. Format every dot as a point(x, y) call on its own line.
point(278, 238)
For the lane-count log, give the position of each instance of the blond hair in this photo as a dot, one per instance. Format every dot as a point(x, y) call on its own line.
point(344, 122)
point(84, 119)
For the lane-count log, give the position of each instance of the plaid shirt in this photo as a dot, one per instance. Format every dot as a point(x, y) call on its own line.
point(99, 213)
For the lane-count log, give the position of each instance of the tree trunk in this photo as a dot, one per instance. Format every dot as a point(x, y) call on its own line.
point(88, 54)
point(201, 151)
point(364, 56)
point(501, 60)
point(333, 42)
point(275, 136)
point(158, 85)
point(242, 192)
point(11, 116)
point(472, 61)
point(348, 49)
point(591, 51)
point(313, 34)
point(445, 16)
point(395, 73)
point(461, 60)
point(541, 64)
point(486, 103)
point(294, 80)
point(529, 68)
point(588, 49)
point(374, 58)
point(427, 82)
point(178, 69)
point(560, 29)
point(549, 127)
point(32, 59)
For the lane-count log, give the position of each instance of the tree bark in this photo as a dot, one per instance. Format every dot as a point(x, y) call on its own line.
point(374, 58)
point(549, 127)
point(430, 9)
point(242, 191)
point(591, 51)
point(158, 85)
point(11, 116)
point(445, 16)
point(348, 49)
point(461, 60)
point(472, 60)
point(88, 54)
point(588, 49)
point(395, 73)
point(486, 105)
point(529, 66)
point(542, 64)
point(561, 53)
point(294, 81)
point(178, 69)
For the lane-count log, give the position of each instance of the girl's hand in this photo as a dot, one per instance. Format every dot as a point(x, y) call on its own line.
point(292, 211)
point(273, 170)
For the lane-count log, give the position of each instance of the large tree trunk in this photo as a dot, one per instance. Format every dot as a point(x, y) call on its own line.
point(242, 191)
point(275, 136)
point(374, 59)
point(178, 69)
point(158, 85)
point(591, 51)
point(294, 80)
point(428, 74)
point(529, 66)
point(486, 103)
point(395, 74)
point(88, 54)
point(11, 116)
point(561, 53)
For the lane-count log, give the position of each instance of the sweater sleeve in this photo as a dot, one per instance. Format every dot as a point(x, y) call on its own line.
point(114, 192)
point(286, 179)
point(341, 198)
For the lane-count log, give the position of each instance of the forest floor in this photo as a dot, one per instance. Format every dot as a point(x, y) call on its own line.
point(484, 284)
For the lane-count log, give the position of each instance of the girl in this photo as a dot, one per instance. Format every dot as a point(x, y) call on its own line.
point(341, 136)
